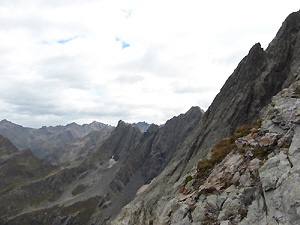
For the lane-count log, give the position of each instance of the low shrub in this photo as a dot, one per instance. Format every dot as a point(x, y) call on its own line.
point(262, 152)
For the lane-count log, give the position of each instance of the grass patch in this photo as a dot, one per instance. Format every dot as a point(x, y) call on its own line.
point(262, 152)
point(84, 210)
point(297, 91)
point(79, 189)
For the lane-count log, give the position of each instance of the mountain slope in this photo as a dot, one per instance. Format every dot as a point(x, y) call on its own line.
point(43, 140)
point(107, 179)
point(146, 161)
point(258, 77)
point(17, 169)
point(250, 178)
point(78, 149)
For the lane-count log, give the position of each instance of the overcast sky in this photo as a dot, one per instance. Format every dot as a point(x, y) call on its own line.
point(141, 60)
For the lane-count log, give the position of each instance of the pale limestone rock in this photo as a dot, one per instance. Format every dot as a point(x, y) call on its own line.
point(199, 212)
point(294, 151)
point(245, 179)
point(273, 171)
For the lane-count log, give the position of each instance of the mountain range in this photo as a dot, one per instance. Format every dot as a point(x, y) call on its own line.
point(236, 163)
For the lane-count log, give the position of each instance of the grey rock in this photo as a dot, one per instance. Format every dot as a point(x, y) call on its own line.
point(294, 151)
point(273, 171)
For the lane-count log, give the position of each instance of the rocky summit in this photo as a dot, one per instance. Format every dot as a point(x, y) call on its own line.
point(236, 163)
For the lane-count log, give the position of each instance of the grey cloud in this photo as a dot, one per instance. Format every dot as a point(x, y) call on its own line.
point(129, 79)
point(233, 58)
point(191, 89)
point(149, 63)
point(65, 71)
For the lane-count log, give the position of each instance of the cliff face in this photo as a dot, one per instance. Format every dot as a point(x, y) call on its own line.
point(78, 149)
point(145, 161)
point(258, 77)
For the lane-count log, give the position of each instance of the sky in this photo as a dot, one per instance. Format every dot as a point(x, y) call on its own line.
point(64, 61)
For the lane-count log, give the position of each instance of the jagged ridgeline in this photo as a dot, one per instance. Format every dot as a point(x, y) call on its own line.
point(242, 99)
point(236, 163)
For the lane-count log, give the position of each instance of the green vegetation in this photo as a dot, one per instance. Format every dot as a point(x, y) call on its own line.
point(297, 91)
point(246, 129)
point(78, 213)
point(84, 210)
point(79, 189)
point(261, 152)
point(22, 168)
point(188, 179)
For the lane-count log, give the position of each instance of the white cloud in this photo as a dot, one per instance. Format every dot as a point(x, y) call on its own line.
point(137, 60)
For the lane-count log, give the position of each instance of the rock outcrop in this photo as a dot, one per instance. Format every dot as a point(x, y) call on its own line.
point(258, 77)
point(256, 180)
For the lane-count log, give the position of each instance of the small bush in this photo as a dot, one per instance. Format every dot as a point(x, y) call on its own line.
point(188, 179)
point(182, 189)
point(242, 151)
point(262, 152)
point(191, 208)
point(246, 129)
point(297, 91)
point(207, 191)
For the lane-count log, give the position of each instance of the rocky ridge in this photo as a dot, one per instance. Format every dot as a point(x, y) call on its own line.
point(258, 77)
point(255, 182)
point(96, 189)
point(43, 140)
point(78, 149)
point(143, 126)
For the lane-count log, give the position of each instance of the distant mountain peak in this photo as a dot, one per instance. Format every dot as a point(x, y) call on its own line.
point(143, 126)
